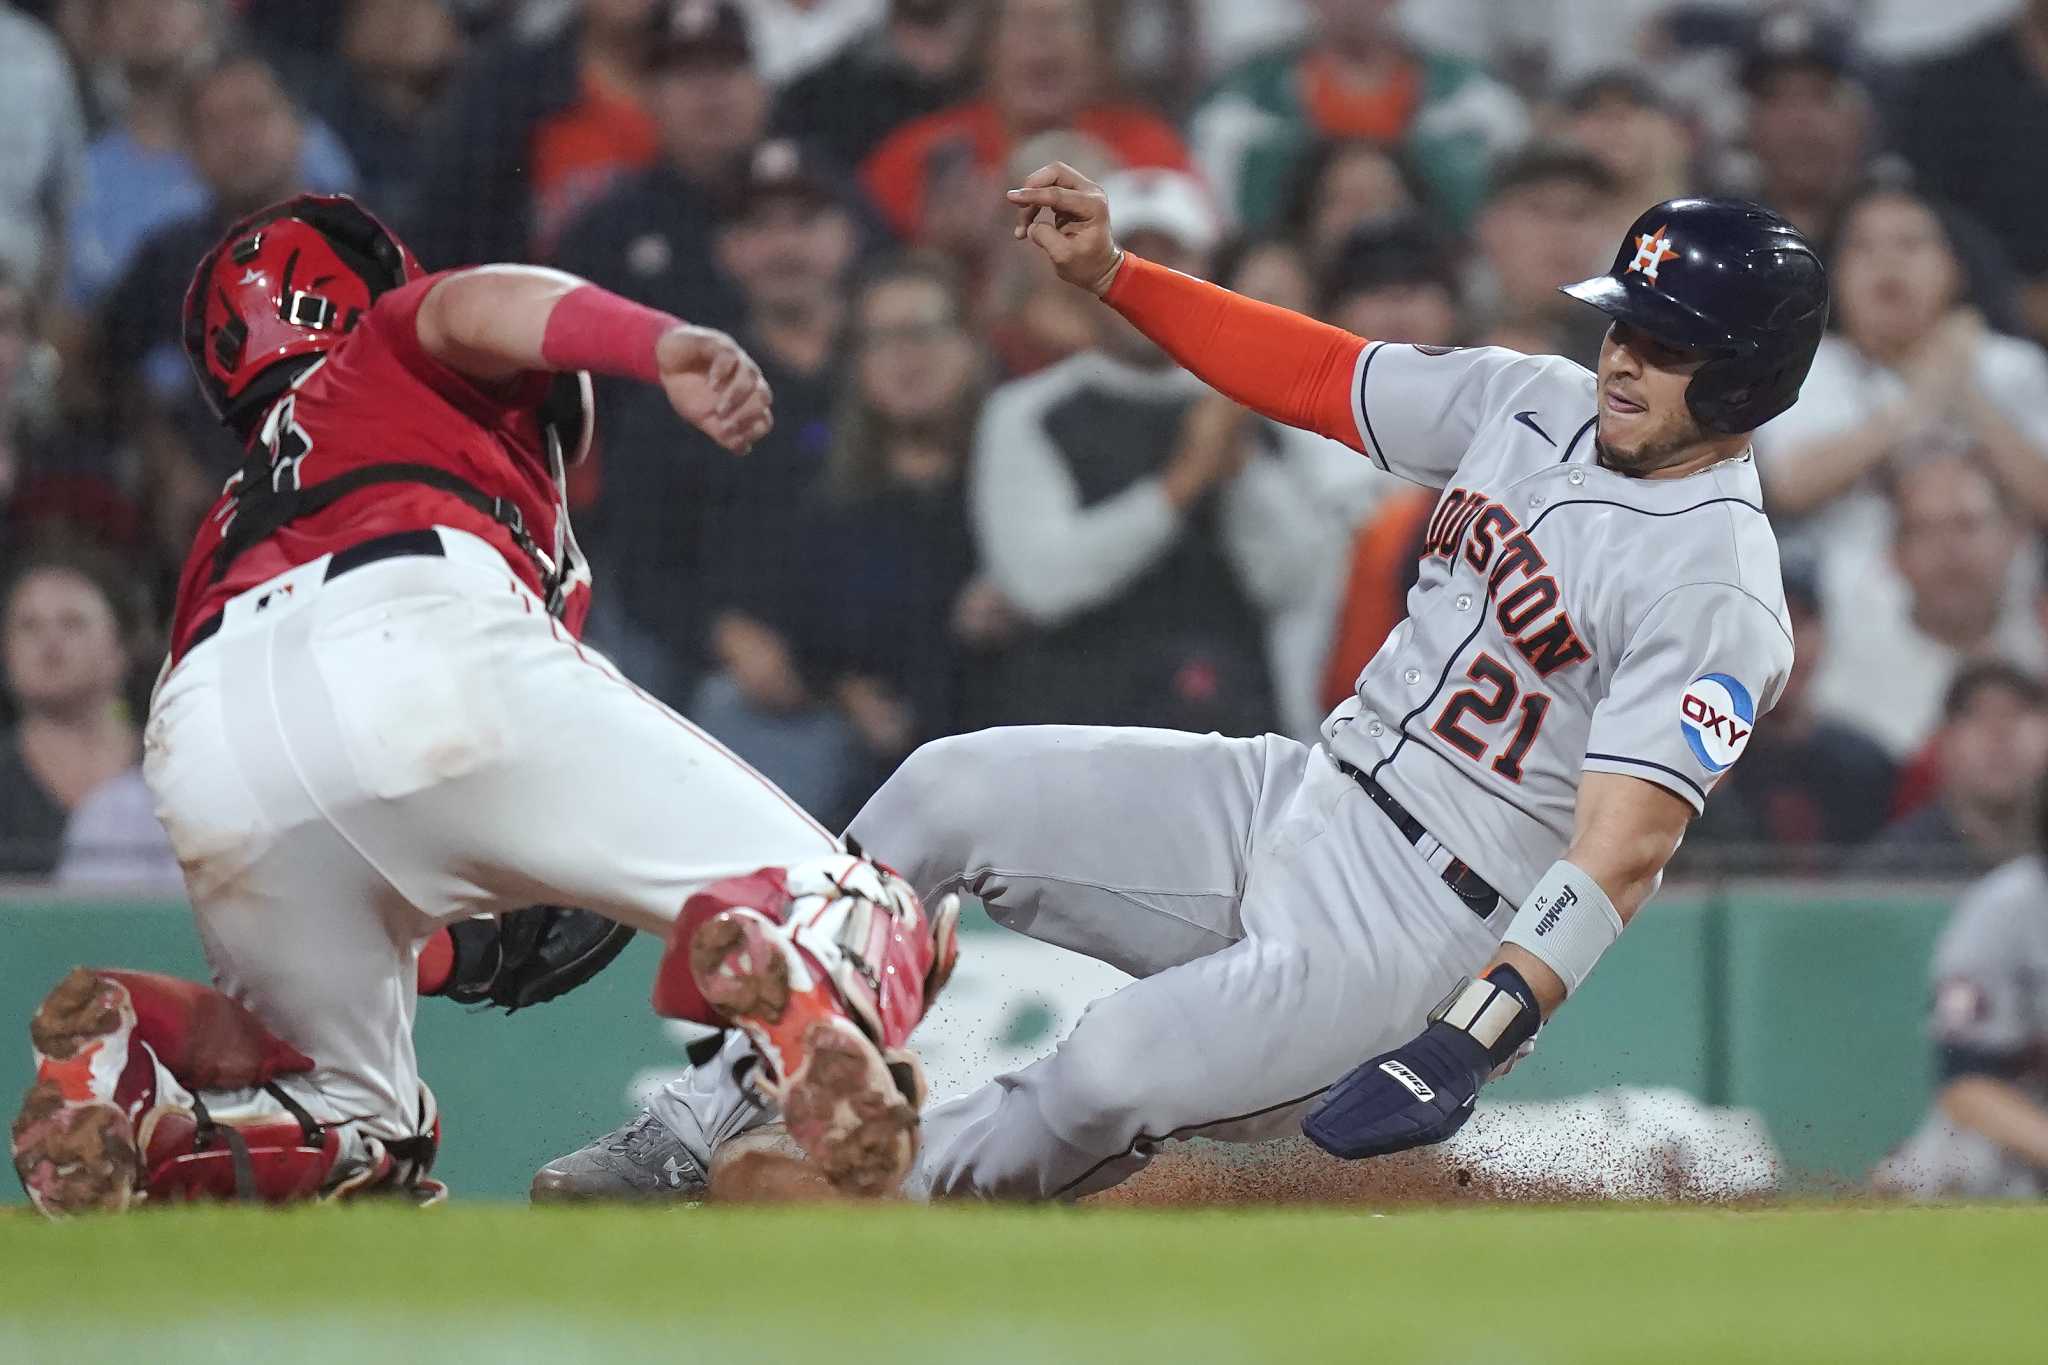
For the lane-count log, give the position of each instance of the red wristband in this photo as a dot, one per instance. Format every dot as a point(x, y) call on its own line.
point(594, 329)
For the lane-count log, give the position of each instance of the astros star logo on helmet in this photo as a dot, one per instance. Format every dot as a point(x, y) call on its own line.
point(1652, 250)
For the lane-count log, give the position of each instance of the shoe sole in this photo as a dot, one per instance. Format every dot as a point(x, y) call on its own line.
point(837, 1095)
point(74, 1150)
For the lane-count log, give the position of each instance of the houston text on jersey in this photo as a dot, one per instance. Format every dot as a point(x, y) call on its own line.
point(1495, 544)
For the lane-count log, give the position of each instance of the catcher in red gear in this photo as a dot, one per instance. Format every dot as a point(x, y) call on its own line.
point(377, 722)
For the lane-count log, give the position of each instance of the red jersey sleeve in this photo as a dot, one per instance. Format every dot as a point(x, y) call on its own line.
point(394, 321)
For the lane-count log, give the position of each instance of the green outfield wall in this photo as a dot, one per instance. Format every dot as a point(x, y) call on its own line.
point(1804, 1004)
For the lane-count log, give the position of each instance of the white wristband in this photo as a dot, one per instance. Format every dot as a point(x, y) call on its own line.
point(1566, 923)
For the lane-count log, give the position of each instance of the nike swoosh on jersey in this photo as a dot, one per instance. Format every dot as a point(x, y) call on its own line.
point(1527, 417)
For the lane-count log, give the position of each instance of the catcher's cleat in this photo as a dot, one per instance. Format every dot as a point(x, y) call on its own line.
point(837, 1094)
point(108, 1122)
point(641, 1161)
point(74, 1139)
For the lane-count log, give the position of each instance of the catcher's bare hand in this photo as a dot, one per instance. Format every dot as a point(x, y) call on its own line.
point(1067, 216)
point(715, 386)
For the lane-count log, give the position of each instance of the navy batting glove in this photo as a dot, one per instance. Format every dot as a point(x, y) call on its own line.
point(1423, 1091)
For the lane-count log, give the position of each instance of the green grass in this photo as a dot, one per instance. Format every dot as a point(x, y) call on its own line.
point(902, 1284)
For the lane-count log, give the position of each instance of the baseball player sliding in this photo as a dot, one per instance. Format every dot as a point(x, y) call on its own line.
point(376, 720)
point(1596, 630)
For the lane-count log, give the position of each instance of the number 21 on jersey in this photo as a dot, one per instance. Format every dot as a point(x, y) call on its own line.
point(1490, 703)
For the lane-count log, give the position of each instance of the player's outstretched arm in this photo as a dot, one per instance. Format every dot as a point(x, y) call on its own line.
point(1422, 1092)
point(1279, 364)
point(493, 322)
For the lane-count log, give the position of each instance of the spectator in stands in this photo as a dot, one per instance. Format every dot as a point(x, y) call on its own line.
point(1355, 78)
point(55, 478)
point(796, 37)
point(140, 175)
point(1986, 1136)
point(72, 757)
point(1379, 573)
point(1348, 187)
point(1393, 283)
point(17, 335)
point(1157, 50)
point(1619, 118)
point(1138, 522)
point(537, 128)
point(1330, 487)
point(42, 142)
point(397, 60)
point(919, 61)
point(879, 639)
point(1031, 317)
point(1992, 751)
point(1396, 284)
point(1544, 224)
point(653, 237)
point(1809, 787)
point(136, 175)
point(1953, 592)
point(1808, 118)
point(685, 531)
point(1975, 126)
point(1271, 270)
point(246, 139)
point(1910, 363)
point(938, 179)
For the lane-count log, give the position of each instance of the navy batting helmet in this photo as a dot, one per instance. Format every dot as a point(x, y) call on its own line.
point(1731, 279)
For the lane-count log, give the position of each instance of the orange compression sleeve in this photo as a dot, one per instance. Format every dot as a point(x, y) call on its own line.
point(1279, 364)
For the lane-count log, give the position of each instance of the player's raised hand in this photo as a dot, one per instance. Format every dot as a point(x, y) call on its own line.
point(715, 386)
point(1067, 216)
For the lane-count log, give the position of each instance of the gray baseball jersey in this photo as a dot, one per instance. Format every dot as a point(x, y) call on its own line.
point(1990, 1017)
point(1567, 618)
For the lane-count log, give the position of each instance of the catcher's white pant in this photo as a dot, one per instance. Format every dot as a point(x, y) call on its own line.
point(1282, 929)
point(347, 764)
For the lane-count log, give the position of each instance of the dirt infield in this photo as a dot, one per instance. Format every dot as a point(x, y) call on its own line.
point(1291, 1172)
point(765, 1168)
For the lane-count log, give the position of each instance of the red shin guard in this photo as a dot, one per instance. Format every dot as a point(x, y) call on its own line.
point(185, 1160)
point(675, 991)
point(206, 1040)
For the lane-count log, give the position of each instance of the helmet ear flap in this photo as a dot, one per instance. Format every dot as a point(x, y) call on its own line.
point(1721, 402)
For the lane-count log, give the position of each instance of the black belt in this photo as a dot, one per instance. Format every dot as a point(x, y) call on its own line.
point(345, 561)
point(1469, 886)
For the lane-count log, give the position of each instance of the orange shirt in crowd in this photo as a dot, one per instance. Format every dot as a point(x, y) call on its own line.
point(580, 152)
point(898, 173)
point(1338, 109)
point(1375, 599)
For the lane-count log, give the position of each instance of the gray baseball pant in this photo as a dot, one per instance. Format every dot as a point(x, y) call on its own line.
point(1281, 928)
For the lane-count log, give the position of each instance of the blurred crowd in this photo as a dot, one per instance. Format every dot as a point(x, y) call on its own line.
point(987, 500)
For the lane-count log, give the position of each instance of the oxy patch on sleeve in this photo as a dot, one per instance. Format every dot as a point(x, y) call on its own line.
point(1716, 714)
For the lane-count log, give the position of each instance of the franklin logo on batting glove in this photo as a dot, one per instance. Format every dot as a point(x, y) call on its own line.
point(1716, 716)
point(1411, 1082)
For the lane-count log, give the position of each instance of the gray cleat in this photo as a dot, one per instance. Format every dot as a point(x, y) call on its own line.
point(640, 1162)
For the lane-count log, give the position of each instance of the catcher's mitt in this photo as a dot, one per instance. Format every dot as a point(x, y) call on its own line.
point(529, 956)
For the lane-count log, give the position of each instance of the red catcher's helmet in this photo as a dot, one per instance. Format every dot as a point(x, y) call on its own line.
point(283, 285)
